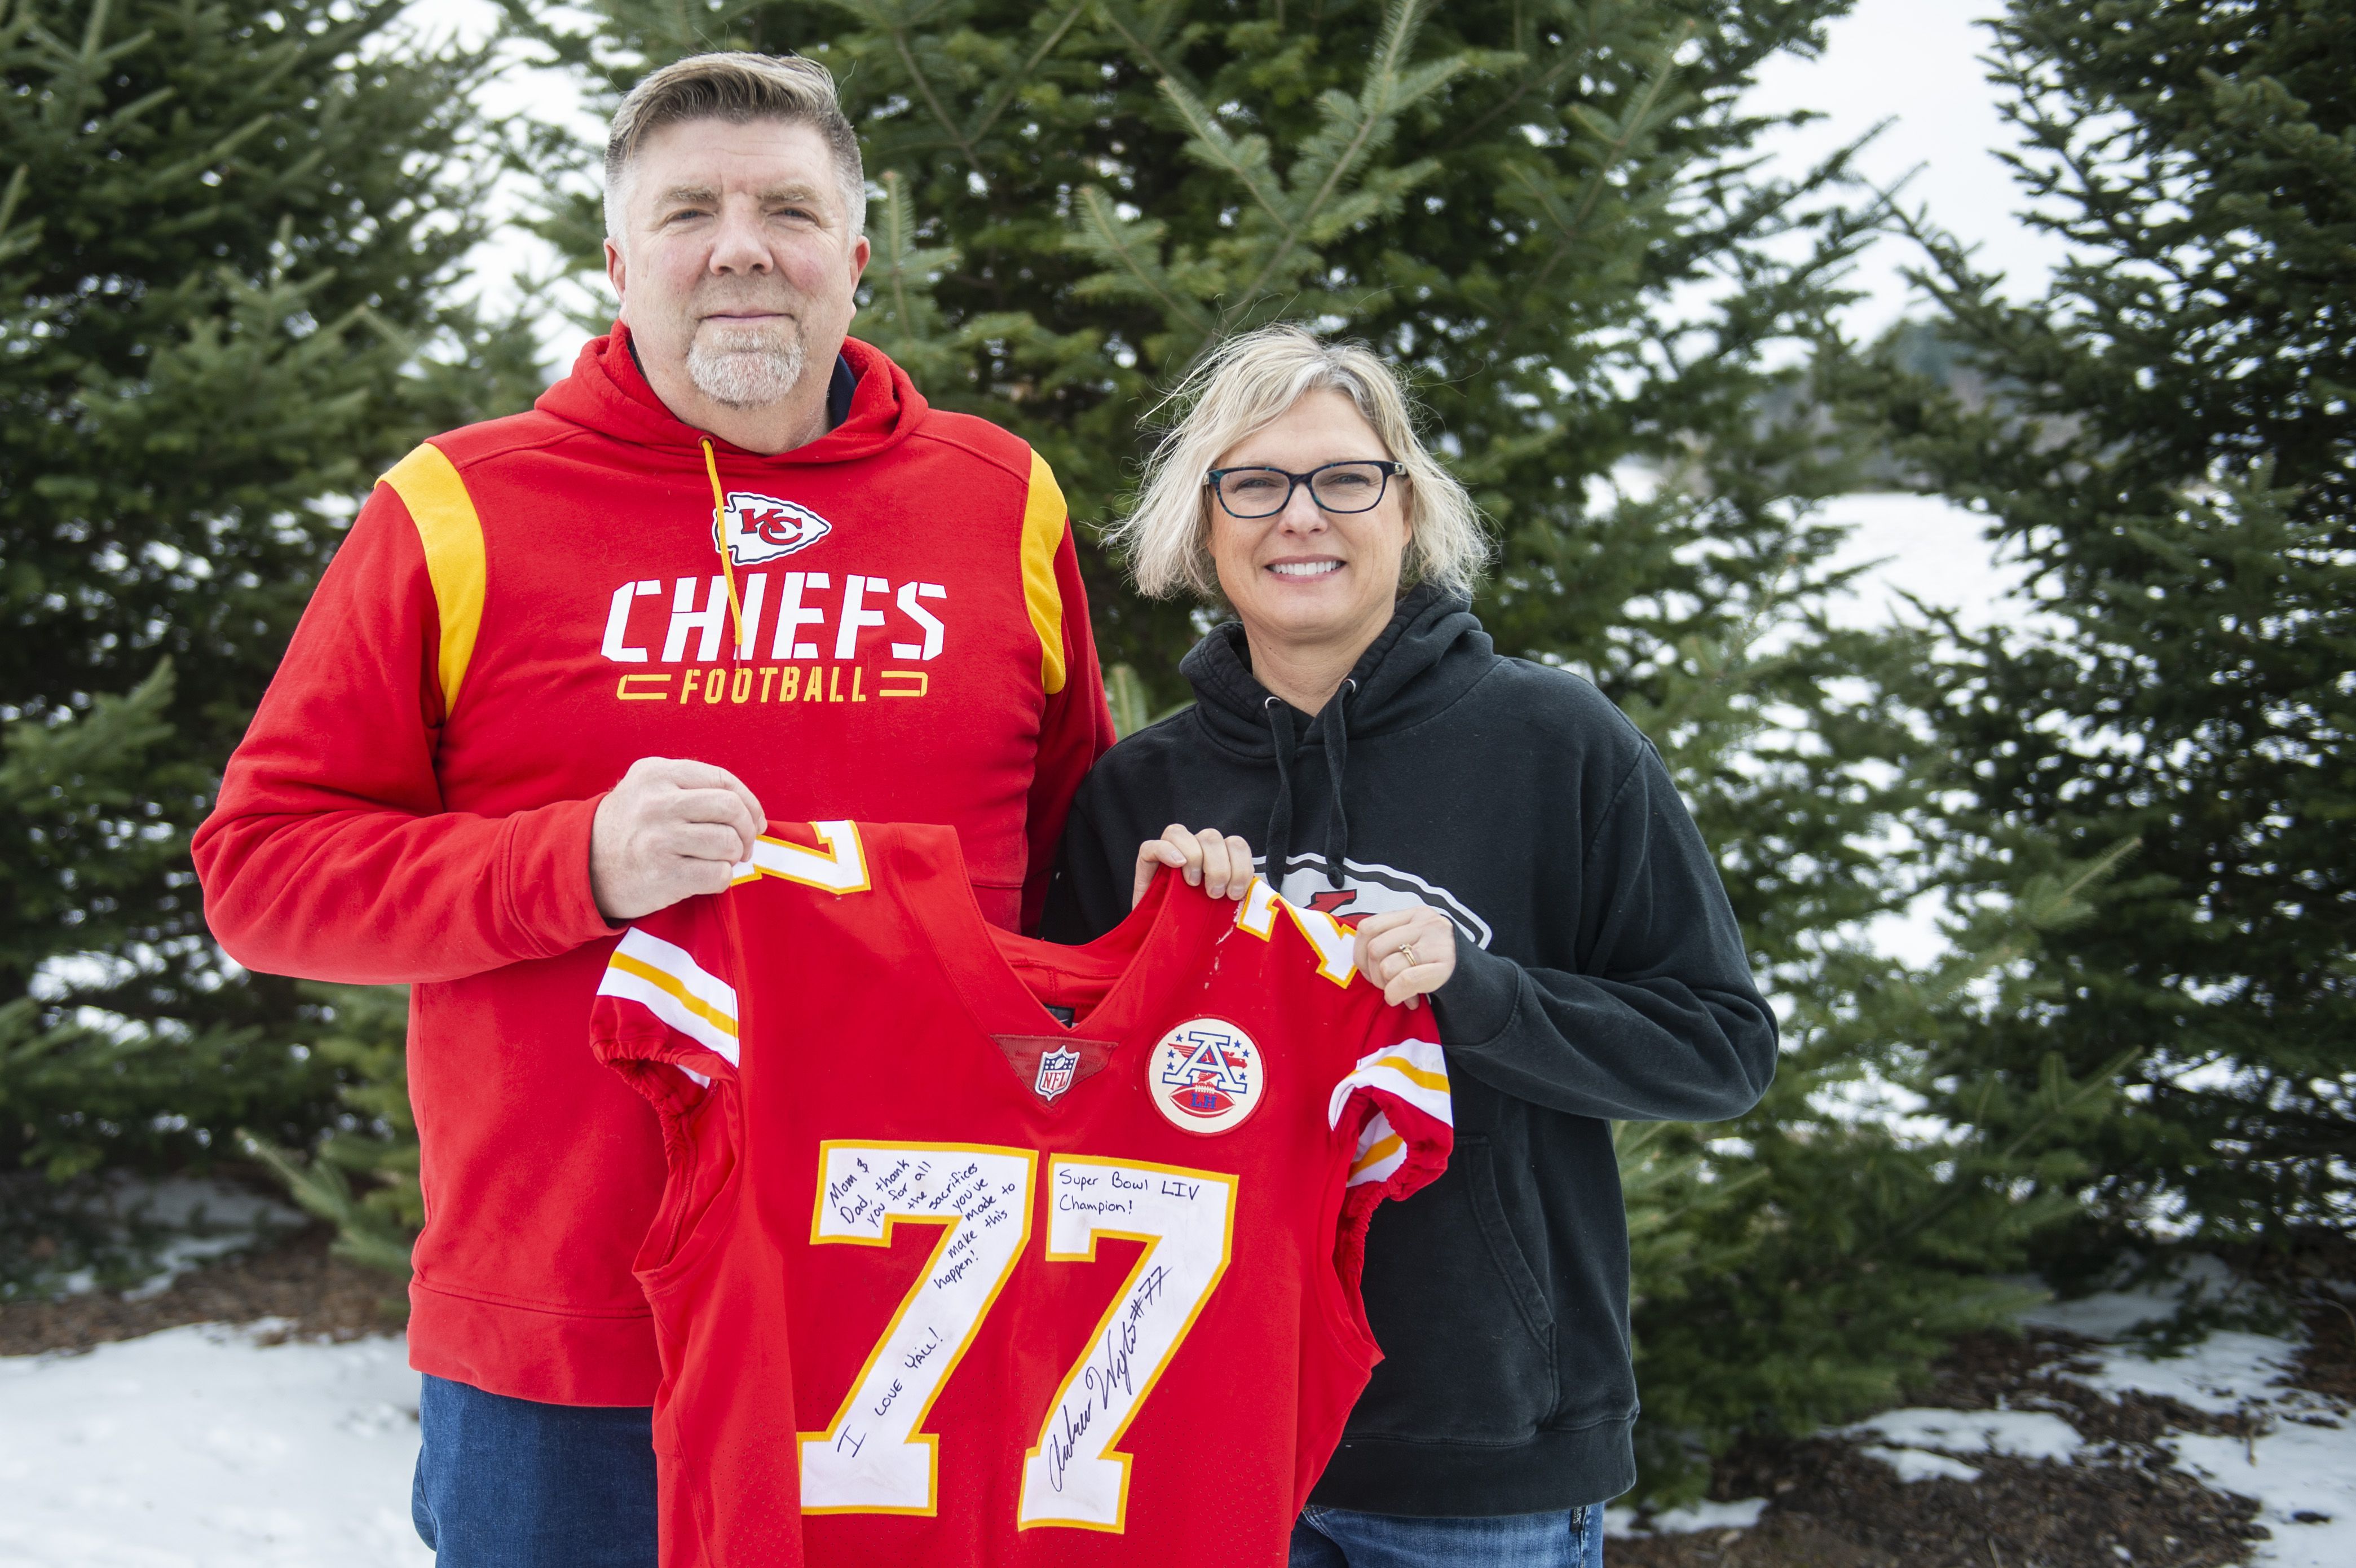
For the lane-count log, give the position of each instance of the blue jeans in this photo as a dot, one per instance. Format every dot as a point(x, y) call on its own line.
point(1337, 1538)
point(509, 1483)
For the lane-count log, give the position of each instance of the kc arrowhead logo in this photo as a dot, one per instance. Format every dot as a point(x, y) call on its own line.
point(762, 527)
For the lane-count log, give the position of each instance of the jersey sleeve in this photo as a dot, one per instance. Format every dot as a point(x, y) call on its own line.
point(1394, 1108)
point(668, 996)
point(665, 1019)
point(1402, 1090)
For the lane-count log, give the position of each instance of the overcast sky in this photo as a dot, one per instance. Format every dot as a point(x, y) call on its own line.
point(1914, 63)
point(1911, 62)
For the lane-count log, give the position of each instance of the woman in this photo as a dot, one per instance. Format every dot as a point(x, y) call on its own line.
point(1506, 845)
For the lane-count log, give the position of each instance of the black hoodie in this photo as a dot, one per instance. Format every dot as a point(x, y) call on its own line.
point(1599, 977)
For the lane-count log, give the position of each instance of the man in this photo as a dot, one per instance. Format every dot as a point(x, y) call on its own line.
point(732, 534)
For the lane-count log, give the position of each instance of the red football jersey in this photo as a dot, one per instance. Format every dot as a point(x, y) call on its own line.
point(985, 1250)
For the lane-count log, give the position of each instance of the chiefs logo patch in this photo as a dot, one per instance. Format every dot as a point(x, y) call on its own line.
point(1206, 1076)
point(762, 527)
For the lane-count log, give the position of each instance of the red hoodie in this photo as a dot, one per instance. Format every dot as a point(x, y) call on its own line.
point(522, 610)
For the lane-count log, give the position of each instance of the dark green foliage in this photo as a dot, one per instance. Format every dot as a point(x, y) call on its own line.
point(79, 801)
point(1080, 196)
point(1801, 1265)
point(230, 233)
point(2170, 443)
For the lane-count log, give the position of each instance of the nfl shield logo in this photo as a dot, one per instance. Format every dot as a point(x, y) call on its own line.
point(1056, 1069)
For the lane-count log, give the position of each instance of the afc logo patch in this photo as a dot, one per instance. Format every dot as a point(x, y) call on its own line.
point(762, 527)
point(1206, 1076)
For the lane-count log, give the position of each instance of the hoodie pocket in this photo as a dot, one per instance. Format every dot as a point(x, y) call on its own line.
point(1466, 1333)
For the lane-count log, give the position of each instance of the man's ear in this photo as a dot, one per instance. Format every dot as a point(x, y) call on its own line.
point(860, 253)
point(616, 270)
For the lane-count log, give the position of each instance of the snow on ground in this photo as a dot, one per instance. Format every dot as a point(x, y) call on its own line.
point(138, 1234)
point(2022, 1434)
point(206, 1448)
point(1693, 1517)
point(207, 1219)
point(2300, 1464)
point(201, 1447)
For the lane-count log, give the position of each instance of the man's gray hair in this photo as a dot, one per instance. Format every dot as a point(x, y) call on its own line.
point(1247, 384)
point(739, 89)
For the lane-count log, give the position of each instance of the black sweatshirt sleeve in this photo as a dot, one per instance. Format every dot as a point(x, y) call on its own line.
point(1087, 885)
point(1655, 1017)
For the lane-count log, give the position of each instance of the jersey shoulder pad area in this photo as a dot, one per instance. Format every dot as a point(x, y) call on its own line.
point(836, 864)
point(1333, 946)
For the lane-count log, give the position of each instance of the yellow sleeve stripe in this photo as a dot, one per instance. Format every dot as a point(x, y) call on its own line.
point(1437, 1082)
point(1380, 1152)
point(1045, 518)
point(686, 998)
point(453, 537)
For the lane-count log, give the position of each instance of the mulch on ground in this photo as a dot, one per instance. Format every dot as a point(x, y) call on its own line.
point(317, 1295)
point(2327, 1364)
point(1830, 1506)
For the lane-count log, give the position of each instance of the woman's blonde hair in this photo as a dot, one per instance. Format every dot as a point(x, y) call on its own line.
point(1247, 384)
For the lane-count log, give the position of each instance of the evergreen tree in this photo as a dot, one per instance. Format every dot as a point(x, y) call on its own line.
point(1078, 197)
point(230, 234)
point(1549, 214)
point(2169, 442)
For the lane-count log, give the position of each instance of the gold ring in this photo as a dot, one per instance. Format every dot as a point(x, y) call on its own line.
point(1407, 950)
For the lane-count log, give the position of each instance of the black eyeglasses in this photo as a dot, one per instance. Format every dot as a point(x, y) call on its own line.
point(1356, 486)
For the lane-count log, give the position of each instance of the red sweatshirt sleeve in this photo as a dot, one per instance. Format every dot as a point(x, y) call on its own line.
point(330, 855)
point(1076, 730)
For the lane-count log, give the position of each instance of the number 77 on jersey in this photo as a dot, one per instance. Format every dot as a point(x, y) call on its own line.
point(938, 1278)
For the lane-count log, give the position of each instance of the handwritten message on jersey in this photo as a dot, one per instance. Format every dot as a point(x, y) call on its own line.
point(873, 1459)
point(1186, 1219)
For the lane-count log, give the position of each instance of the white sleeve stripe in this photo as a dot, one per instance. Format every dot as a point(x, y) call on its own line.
point(669, 1008)
point(1431, 1102)
point(1415, 1056)
point(1421, 1081)
point(681, 965)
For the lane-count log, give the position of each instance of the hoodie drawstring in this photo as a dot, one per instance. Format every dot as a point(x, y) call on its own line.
point(727, 564)
point(1280, 818)
point(1332, 725)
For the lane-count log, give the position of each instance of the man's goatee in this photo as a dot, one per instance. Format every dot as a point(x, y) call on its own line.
point(745, 367)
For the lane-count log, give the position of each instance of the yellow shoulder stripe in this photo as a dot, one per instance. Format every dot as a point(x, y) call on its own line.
point(451, 536)
point(1045, 518)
